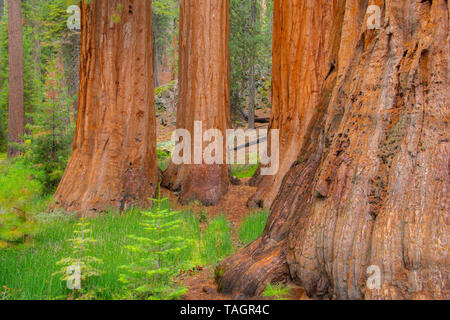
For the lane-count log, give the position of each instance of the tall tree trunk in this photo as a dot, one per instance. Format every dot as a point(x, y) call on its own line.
point(76, 68)
point(252, 85)
point(203, 95)
point(155, 63)
point(296, 84)
point(173, 57)
point(16, 100)
point(113, 163)
point(369, 188)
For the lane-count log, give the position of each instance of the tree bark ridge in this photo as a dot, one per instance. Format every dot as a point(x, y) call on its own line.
point(369, 185)
point(113, 163)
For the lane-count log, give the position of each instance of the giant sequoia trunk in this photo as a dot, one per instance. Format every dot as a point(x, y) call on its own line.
point(203, 95)
point(113, 163)
point(15, 99)
point(369, 186)
point(299, 67)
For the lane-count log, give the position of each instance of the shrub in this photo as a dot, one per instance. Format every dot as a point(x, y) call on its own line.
point(19, 201)
point(82, 288)
point(277, 292)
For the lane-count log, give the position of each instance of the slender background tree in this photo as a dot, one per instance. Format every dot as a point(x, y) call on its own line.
point(16, 94)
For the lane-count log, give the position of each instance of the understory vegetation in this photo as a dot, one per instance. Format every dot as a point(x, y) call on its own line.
point(138, 253)
point(37, 246)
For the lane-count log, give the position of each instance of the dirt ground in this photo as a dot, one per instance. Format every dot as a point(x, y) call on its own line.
point(200, 282)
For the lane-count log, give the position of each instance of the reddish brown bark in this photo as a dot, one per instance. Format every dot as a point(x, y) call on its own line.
point(296, 84)
point(203, 95)
point(370, 184)
point(113, 163)
point(15, 99)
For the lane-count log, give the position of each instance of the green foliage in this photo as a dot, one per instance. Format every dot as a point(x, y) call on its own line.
point(81, 258)
point(151, 276)
point(252, 227)
point(164, 158)
point(48, 147)
point(164, 13)
point(32, 85)
point(19, 202)
point(162, 90)
point(244, 170)
point(250, 46)
point(48, 21)
point(216, 242)
point(164, 16)
point(16, 228)
point(277, 292)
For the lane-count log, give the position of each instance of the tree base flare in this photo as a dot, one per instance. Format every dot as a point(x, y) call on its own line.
point(369, 188)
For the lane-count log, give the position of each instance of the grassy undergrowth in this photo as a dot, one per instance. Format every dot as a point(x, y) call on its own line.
point(243, 171)
point(26, 270)
point(252, 226)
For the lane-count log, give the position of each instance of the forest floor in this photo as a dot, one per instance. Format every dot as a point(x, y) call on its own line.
point(26, 271)
point(201, 284)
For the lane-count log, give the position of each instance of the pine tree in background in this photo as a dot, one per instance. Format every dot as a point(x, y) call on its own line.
point(32, 84)
point(48, 146)
point(165, 14)
point(250, 54)
point(3, 81)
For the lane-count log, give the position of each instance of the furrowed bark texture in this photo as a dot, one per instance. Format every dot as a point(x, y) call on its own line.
point(15, 98)
point(203, 96)
point(369, 186)
point(299, 68)
point(113, 163)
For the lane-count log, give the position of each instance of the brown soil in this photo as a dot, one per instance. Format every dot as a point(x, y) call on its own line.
point(200, 281)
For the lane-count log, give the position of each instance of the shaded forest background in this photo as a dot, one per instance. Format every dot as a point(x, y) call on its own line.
point(51, 52)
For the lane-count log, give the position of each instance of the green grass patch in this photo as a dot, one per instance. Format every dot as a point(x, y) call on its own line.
point(19, 188)
point(243, 171)
point(252, 226)
point(164, 159)
point(27, 272)
point(216, 241)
